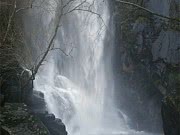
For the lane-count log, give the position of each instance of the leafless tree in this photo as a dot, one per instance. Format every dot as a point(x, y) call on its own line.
point(10, 37)
point(8, 34)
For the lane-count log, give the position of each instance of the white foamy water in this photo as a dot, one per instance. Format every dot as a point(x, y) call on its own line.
point(79, 88)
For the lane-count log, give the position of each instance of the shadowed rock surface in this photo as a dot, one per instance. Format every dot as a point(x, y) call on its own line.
point(146, 62)
point(16, 120)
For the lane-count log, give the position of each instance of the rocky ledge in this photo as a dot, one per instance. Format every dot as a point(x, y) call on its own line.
point(15, 119)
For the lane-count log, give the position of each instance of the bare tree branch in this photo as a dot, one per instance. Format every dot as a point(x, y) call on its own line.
point(147, 10)
point(75, 8)
point(36, 67)
point(10, 20)
point(50, 47)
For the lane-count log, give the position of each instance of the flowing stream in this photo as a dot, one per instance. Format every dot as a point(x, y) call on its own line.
point(78, 85)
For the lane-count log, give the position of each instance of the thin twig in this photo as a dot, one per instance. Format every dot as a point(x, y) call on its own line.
point(9, 22)
point(36, 67)
point(147, 10)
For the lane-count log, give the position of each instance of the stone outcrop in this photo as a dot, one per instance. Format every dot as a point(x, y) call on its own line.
point(16, 120)
point(14, 93)
point(37, 102)
point(54, 125)
point(16, 86)
point(146, 60)
point(171, 112)
point(20, 119)
point(38, 107)
point(17, 117)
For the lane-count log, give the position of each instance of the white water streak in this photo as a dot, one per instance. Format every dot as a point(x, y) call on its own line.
point(76, 88)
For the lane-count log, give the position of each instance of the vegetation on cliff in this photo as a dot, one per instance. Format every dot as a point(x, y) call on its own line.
point(147, 59)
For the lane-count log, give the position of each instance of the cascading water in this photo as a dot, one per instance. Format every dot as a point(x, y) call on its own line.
point(78, 88)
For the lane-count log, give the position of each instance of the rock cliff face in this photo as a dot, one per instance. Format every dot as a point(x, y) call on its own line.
point(23, 110)
point(20, 105)
point(16, 120)
point(146, 60)
point(171, 114)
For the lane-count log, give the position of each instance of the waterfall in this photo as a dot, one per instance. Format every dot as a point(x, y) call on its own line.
point(77, 83)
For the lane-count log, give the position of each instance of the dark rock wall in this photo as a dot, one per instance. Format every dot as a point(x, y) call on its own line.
point(15, 119)
point(16, 83)
point(146, 59)
point(171, 114)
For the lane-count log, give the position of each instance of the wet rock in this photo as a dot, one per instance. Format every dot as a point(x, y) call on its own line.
point(15, 119)
point(38, 108)
point(16, 87)
point(37, 102)
point(54, 125)
point(146, 48)
point(166, 46)
point(171, 114)
point(50, 117)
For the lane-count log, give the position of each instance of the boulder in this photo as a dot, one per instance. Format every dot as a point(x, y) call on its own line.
point(54, 125)
point(38, 108)
point(37, 102)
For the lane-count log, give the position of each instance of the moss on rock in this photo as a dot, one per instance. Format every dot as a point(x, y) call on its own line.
point(15, 119)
